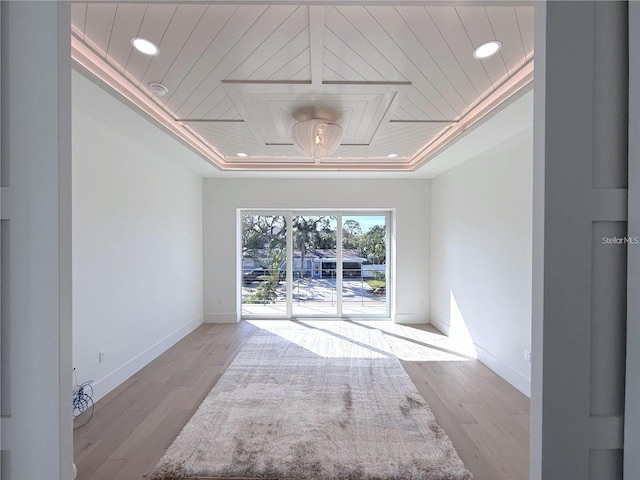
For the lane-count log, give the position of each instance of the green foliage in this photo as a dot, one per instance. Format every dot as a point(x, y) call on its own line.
point(373, 245)
point(313, 232)
point(265, 293)
point(263, 232)
point(267, 290)
point(351, 234)
point(375, 283)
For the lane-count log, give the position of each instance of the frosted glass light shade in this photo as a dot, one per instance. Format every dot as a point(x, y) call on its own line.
point(316, 138)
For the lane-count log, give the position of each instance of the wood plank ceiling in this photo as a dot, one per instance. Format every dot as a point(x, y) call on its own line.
point(402, 78)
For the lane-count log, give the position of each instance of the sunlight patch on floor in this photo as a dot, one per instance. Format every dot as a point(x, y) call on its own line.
point(331, 339)
point(421, 343)
point(408, 343)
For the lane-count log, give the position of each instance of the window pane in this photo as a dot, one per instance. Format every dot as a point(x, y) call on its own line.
point(364, 258)
point(314, 265)
point(264, 240)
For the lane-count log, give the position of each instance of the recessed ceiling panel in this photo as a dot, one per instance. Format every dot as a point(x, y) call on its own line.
point(269, 109)
point(404, 139)
point(231, 138)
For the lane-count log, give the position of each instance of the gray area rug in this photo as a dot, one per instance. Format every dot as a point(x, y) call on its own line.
point(313, 402)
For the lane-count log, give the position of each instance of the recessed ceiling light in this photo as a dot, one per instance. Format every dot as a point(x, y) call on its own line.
point(392, 155)
point(241, 154)
point(487, 49)
point(145, 46)
point(158, 89)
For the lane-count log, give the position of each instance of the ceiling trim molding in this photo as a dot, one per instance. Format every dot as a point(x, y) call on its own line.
point(91, 62)
point(322, 166)
point(420, 3)
point(513, 85)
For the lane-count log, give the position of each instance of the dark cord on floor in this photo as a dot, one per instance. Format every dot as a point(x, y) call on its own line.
point(82, 401)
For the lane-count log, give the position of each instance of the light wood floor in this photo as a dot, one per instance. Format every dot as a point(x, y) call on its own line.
point(486, 419)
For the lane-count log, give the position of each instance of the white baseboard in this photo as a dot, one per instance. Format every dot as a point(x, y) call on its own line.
point(119, 375)
point(440, 325)
point(515, 378)
point(410, 319)
point(221, 318)
point(511, 375)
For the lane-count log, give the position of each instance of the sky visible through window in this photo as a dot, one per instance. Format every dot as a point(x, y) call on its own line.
point(367, 221)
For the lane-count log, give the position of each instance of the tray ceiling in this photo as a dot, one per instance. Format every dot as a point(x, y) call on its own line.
point(402, 79)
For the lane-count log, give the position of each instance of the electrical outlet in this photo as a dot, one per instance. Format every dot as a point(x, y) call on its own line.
point(527, 356)
point(102, 357)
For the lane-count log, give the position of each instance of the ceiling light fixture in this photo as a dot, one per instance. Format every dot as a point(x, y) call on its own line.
point(316, 132)
point(392, 155)
point(145, 46)
point(241, 154)
point(487, 49)
point(158, 89)
point(317, 138)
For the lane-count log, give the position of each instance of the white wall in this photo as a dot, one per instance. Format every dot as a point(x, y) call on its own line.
point(137, 239)
point(481, 241)
point(409, 198)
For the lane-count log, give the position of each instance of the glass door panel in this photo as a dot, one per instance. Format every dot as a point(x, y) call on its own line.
point(264, 244)
point(314, 265)
point(364, 262)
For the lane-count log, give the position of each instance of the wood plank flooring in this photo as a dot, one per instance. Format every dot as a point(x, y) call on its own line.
point(486, 418)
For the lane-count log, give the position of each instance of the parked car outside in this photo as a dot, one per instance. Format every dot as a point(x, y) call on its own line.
point(260, 275)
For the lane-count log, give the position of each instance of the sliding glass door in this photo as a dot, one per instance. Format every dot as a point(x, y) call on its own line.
point(364, 261)
point(314, 264)
point(263, 260)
